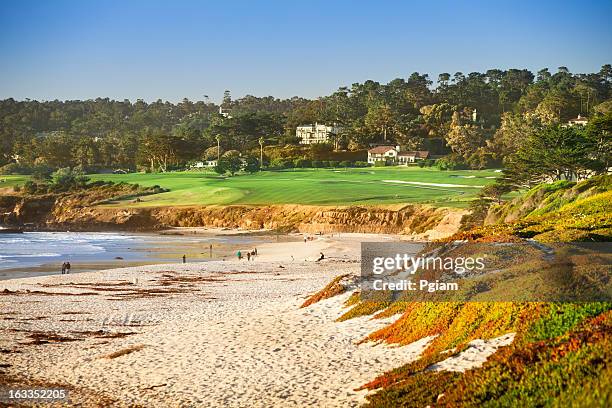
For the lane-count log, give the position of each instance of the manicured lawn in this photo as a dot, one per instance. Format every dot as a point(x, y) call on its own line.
point(312, 186)
point(12, 181)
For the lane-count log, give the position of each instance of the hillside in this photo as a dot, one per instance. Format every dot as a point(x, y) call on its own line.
point(549, 354)
point(561, 211)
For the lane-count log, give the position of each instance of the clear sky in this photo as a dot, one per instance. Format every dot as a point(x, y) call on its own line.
point(149, 49)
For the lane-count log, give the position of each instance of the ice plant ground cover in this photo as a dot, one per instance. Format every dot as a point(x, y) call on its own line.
point(560, 353)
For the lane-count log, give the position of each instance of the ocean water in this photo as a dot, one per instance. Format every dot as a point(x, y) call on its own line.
point(34, 253)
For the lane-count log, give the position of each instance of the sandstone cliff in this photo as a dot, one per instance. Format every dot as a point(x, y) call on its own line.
point(74, 213)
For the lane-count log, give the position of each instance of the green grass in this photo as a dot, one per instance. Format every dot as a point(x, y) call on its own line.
point(12, 181)
point(310, 186)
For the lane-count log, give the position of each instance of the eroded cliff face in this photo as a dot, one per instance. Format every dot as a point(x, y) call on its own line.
point(20, 210)
point(71, 213)
point(408, 219)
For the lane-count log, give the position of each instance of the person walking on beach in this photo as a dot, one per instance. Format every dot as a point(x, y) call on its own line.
point(321, 257)
point(67, 267)
point(248, 256)
point(239, 255)
point(210, 249)
point(255, 251)
point(64, 268)
point(184, 259)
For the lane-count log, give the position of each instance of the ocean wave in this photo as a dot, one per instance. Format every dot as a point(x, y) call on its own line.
point(12, 240)
point(41, 255)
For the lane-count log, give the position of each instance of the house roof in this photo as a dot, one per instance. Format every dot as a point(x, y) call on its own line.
point(579, 119)
point(423, 154)
point(381, 149)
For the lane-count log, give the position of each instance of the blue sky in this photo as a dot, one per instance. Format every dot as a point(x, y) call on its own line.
point(65, 49)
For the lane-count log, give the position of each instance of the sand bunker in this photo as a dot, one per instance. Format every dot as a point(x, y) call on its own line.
point(419, 183)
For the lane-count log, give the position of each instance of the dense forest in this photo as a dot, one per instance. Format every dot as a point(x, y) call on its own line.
point(476, 120)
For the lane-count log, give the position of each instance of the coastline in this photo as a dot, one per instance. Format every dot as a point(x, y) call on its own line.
point(41, 253)
point(225, 332)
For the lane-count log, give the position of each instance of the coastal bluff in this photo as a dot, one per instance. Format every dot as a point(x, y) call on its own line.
point(67, 212)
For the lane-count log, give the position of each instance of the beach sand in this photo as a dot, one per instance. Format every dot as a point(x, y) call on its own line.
point(225, 333)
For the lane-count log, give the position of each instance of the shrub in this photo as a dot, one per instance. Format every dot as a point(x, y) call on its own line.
point(41, 172)
point(302, 163)
point(451, 162)
point(425, 163)
point(231, 153)
point(229, 163)
point(30, 187)
point(380, 163)
point(251, 164)
point(345, 163)
point(66, 179)
point(211, 153)
point(15, 168)
point(279, 164)
point(320, 149)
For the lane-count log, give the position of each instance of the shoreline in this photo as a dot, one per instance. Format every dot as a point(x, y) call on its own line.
point(218, 333)
point(161, 251)
point(214, 333)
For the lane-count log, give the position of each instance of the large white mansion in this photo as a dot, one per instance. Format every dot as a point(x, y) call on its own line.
point(317, 133)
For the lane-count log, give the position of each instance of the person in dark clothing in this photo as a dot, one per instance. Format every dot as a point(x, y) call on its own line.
point(184, 259)
point(63, 268)
point(67, 267)
point(321, 257)
point(248, 256)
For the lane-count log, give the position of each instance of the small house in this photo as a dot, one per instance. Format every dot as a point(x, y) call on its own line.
point(207, 164)
point(579, 121)
point(406, 158)
point(383, 154)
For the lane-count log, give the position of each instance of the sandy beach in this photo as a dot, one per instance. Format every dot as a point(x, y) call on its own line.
point(212, 334)
point(226, 333)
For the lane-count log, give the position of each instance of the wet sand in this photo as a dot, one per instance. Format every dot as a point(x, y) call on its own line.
point(179, 242)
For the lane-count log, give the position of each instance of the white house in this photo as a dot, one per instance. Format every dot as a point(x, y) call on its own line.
point(317, 133)
point(225, 112)
point(394, 155)
point(579, 121)
point(412, 156)
point(204, 164)
point(383, 153)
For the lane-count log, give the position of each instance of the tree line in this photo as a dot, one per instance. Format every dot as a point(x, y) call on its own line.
point(476, 120)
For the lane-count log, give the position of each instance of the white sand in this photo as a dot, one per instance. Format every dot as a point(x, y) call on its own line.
point(477, 352)
point(420, 183)
point(237, 339)
point(240, 340)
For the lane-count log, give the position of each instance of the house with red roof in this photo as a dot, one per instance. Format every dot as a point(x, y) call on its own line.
point(383, 154)
point(393, 155)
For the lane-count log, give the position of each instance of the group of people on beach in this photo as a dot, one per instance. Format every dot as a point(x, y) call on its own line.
point(65, 268)
point(249, 254)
